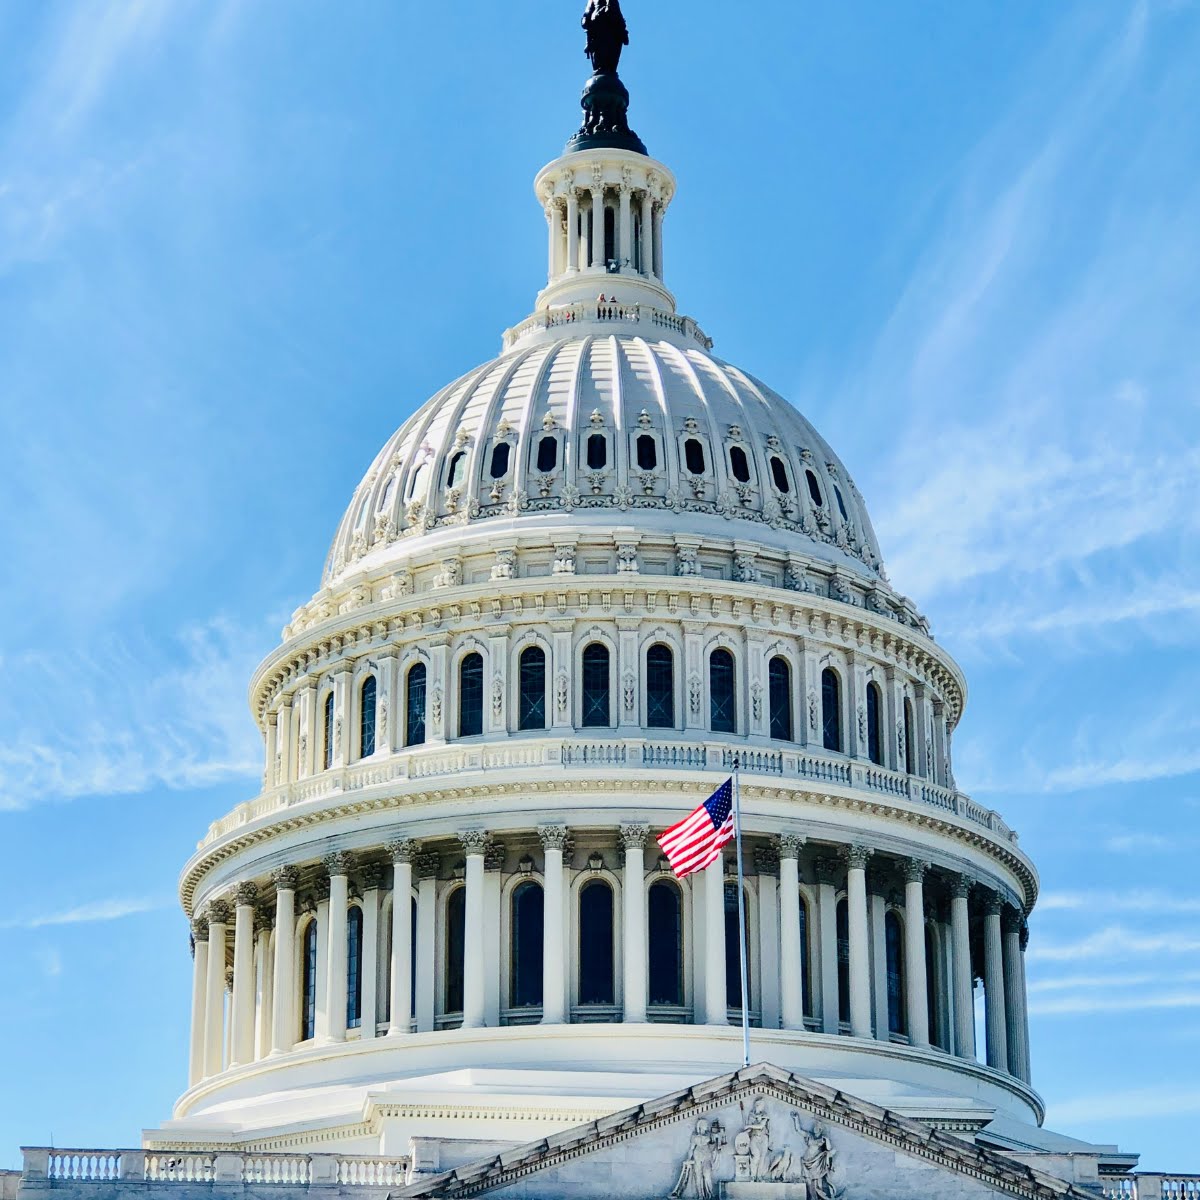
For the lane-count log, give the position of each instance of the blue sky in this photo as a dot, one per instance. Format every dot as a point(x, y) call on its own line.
point(241, 242)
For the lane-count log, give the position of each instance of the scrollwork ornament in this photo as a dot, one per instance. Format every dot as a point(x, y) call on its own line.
point(435, 705)
point(695, 694)
point(756, 700)
point(497, 697)
point(561, 686)
point(630, 692)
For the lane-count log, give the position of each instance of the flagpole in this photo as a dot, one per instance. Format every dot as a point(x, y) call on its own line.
point(737, 829)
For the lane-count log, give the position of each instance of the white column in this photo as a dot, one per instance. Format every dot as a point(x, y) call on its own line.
point(964, 972)
point(877, 903)
point(572, 231)
point(370, 877)
point(199, 990)
point(624, 253)
point(270, 743)
point(403, 851)
point(474, 843)
point(658, 241)
point(285, 754)
point(552, 251)
point(264, 1003)
point(493, 868)
point(1026, 1052)
point(993, 983)
point(827, 914)
point(916, 979)
point(307, 747)
point(791, 968)
point(338, 865)
point(597, 259)
point(634, 838)
point(1014, 999)
point(716, 996)
point(343, 737)
point(214, 1001)
point(860, 937)
point(425, 868)
point(554, 960)
point(283, 1017)
point(242, 1004)
point(764, 965)
point(647, 234)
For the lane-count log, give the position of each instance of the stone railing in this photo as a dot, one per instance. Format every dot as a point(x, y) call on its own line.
point(1148, 1186)
point(439, 762)
point(594, 311)
point(51, 1168)
point(9, 1182)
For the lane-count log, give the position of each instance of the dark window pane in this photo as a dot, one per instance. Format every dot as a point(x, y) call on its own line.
point(693, 456)
point(779, 474)
point(910, 745)
point(328, 732)
point(528, 917)
point(354, 962)
point(597, 452)
point(780, 679)
point(547, 455)
point(894, 938)
point(414, 730)
point(721, 692)
point(458, 465)
point(456, 942)
point(308, 986)
point(874, 740)
point(500, 461)
point(740, 464)
point(647, 453)
point(532, 706)
point(837, 491)
point(665, 915)
point(596, 944)
point(470, 696)
point(814, 489)
point(660, 688)
point(610, 234)
point(843, 959)
point(733, 951)
point(831, 709)
point(596, 713)
point(366, 717)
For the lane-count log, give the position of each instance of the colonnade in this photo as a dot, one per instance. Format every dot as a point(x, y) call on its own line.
point(825, 922)
point(577, 228)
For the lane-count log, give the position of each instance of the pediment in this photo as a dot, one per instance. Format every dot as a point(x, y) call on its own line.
point(759, 1134)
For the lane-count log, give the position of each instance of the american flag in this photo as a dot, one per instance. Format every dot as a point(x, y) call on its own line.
point(696, 841)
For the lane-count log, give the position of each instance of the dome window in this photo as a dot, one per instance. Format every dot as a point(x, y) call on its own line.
point(660, 687)
point(414, 728)
point(470, 696)
point(837, 491)
point(814, 489)
point(740, 464)
point(547, 455)
point(647, 453)
point(779, 474)
point(367, 715)
point(597, 452)
point(665, 908)
point(354, 967)
point(458, 464)
point(779, 676)
point(596, 676)
point(722, 687)
point(528, 930)
point(693, 456)
point(327, 751)
point(418, 480)
point(532, 693)
point(500, 455)
point(831, 710)
point(308, 984)
point(596, 954)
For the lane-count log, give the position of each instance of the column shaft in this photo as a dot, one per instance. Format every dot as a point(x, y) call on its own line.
point(474, 982)
point(199, 992)
point(1014, 999)
point(827, 906)
point(647, 248)
point(242, 1003)
point(572, 231)
point(716, 996)
point(964, 973)
point(283, 1017)
point(214, 1002)
point(400, 979)
point(624, 253)
point(916, 979)
point(264, 1006)
point(993, 983)
point(336, 947)
point(554, 966)
point(426, 941)
point(636, 984)
point(860, 935)
point(791, 962)
point(597, 227)
point(658, 242)
point(369, 1012)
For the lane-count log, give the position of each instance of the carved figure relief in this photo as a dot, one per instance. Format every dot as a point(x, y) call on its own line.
point(812, 709)
point(564, 560)
point(497, 697)
point(756, 693)
point(630, 689)
point(696, 1173)
point(627, 560)
point(435, 706)
point(506, 565)
point(687, 564)
point(695, 694)
point(744, 569)
point(560, 693)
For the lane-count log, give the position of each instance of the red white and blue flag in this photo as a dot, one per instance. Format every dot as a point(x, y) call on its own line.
point(697, 840)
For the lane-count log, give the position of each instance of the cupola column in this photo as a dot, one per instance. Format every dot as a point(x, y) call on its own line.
point(572, 230)
point(283, 1031)
point(1014, 997)
point(597, 260)
point(716, 996)
point(791, 955)
point(625, 225)
point(199, 992)
point(552, 230)
point(647, 248)
point(993, 983)
point(964, 971)
point(827, 872)
point(860, 963)
point(916, 985)
point(308, 732)
point(554, 967)
point(338, 866)
point(270, 740)
point(285, 752)
point(403, 851)
point(475, 844)
point(241, 1008)
point(214, 1003)
point(634, 838)
point(341, 716)
point(659, 209)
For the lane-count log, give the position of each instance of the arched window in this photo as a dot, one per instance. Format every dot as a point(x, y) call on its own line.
point(596, 944)
point(500, 454)
point(660, 687)
point(843, 961)
point(547, 455)
point(831, 709)
point(420, 478)
point(837, 491)
point(367, 706)
point(470, 696)
point(414, 726)
point(596, 707)
point(779, 679)
point(308, 984)
point(528, 922)
point(874, 724)
point(456, 945)
point(740, 464)
point(805, 970)
point(665, 917)
point(910, 741)
point(327, 732)
point(647, 453)
point(733, 951)
point(693, 456)
point(597, 452)
point(931, 985)
point(893, 933)
point(814, 489)
point(721, 690)
point(779, 475)
point(354, 967)
point(456, 470)
point(531, 708)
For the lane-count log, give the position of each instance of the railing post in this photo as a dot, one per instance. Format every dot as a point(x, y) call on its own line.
point(228, 1168)
point(1149, 1187)
point(323, 1171)
point(132, 1165)
point(37, 1163)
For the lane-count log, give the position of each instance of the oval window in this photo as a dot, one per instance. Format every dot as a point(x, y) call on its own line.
point(647, 453)
point(814, 489)
point(693, 456)
point(500, 460)
point(740, 464)
point(454, 476)
point(547, 456)
point(597, 452)
point(779, 474)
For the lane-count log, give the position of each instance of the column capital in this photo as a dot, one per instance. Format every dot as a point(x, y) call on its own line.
point(245, 895)
point(915, 870)
point(264, 918)
point(285, 879)
point(404, 849)
point(635, 836)
point(218, 912)
point(370, 876)
point(857, 857)
point(338, 863)
point(993, 903)
point(229, 979)
point(474, 841)
point(827, 871)
point(790, 844)
point(321, 889)
point(766, 859)
point(426, 866)
point(1024, 935)
point(960, 886)
point(1010, 919)
point(493, 856)
point(199, 929)
point(553, 837)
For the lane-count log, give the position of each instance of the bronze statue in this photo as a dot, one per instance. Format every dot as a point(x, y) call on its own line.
point(607, 35)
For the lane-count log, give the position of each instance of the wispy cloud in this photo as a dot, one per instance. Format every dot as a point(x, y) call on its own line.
point(1126, 1104)
point(1116, 942)
point(93, 912)
point(1083, 1004)
point(1134, 900)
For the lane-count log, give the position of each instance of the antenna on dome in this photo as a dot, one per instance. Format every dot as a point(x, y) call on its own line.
point(605, 99)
